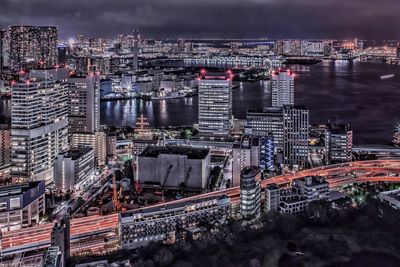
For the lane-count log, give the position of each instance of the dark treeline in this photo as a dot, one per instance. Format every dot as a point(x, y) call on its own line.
point(325, 237)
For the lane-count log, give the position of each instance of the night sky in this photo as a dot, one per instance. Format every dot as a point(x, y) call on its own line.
point(369, 19)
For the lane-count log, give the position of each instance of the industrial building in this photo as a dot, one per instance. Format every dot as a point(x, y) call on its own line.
point(170, 167)
point(140, 227)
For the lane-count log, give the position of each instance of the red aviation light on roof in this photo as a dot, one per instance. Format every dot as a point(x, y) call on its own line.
point(203, 72)
point(230, 75)
point(22, 72)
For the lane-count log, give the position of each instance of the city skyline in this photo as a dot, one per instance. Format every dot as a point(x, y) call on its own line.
point(211, 19)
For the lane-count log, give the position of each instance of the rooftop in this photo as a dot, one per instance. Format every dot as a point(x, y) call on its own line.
point(18, 189)
point(77, 152)
point(171, 206)
point(190, 152)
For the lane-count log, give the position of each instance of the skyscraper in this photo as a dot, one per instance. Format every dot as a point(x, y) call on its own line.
point(215, 105)
point(282, 88)
point(261, 122)
point(288, 126)
point(250, 192)
point(339, 140)
point(2, 37)
point(295, 137)
point(5, 144)
point(267, 161)
point(135, 51)
point(39, 127)
point(33, 47)
point(84, 104)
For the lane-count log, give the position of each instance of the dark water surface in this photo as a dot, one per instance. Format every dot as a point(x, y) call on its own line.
point(346, 92)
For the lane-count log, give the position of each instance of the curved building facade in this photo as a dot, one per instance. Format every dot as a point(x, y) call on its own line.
point(250, 192)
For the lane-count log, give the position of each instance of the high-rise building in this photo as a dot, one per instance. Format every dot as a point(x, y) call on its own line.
point(33, 47)
point(282, 88)
point(2, 48)
point(295, 136)
point(97, 141)
point(398, 51)
point(136, 39)
point(74, 169)
point(39, 127)
point(261, 122)
point(267, 161)
point(215, 105)
point(5, 145)
point(288, 126)
point(340, 143)
point(84, 104)
point(250, 192)
point(245, 152)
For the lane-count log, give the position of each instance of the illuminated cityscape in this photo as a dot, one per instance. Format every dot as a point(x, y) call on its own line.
point(175, 133)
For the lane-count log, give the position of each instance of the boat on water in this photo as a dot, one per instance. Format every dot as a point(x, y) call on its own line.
point(388, 76)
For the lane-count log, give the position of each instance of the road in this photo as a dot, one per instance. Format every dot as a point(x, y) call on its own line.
point(36, 237)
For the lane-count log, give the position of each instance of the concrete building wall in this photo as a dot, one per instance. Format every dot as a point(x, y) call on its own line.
point(154, 170)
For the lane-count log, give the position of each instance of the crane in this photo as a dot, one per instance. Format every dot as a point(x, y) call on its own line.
point(165, 180)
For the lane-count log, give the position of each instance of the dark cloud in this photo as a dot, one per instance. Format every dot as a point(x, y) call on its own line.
point(211, 18)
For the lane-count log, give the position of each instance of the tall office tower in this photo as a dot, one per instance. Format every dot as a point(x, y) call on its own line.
point(136, 38)
point(339, 141)
point(261, 122)
point(267, 149)
point(215, 105)
point(84, 104)
point(5, 145)
point(39, 126)
point(2, 48)
point(250, 192)
point(33, 47)
point(398, 51)
point(288, 126)
point(282, 88)
point(245, 152)
point(295, 136)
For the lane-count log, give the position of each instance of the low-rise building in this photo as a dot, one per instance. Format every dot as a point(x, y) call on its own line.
point(391, 197)
point(291, 202)
point(312, 187)
point(74, 169)
point(21, 205)
point(140, 227)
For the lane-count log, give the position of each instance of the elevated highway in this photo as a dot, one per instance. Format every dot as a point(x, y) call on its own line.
point(87, 228)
